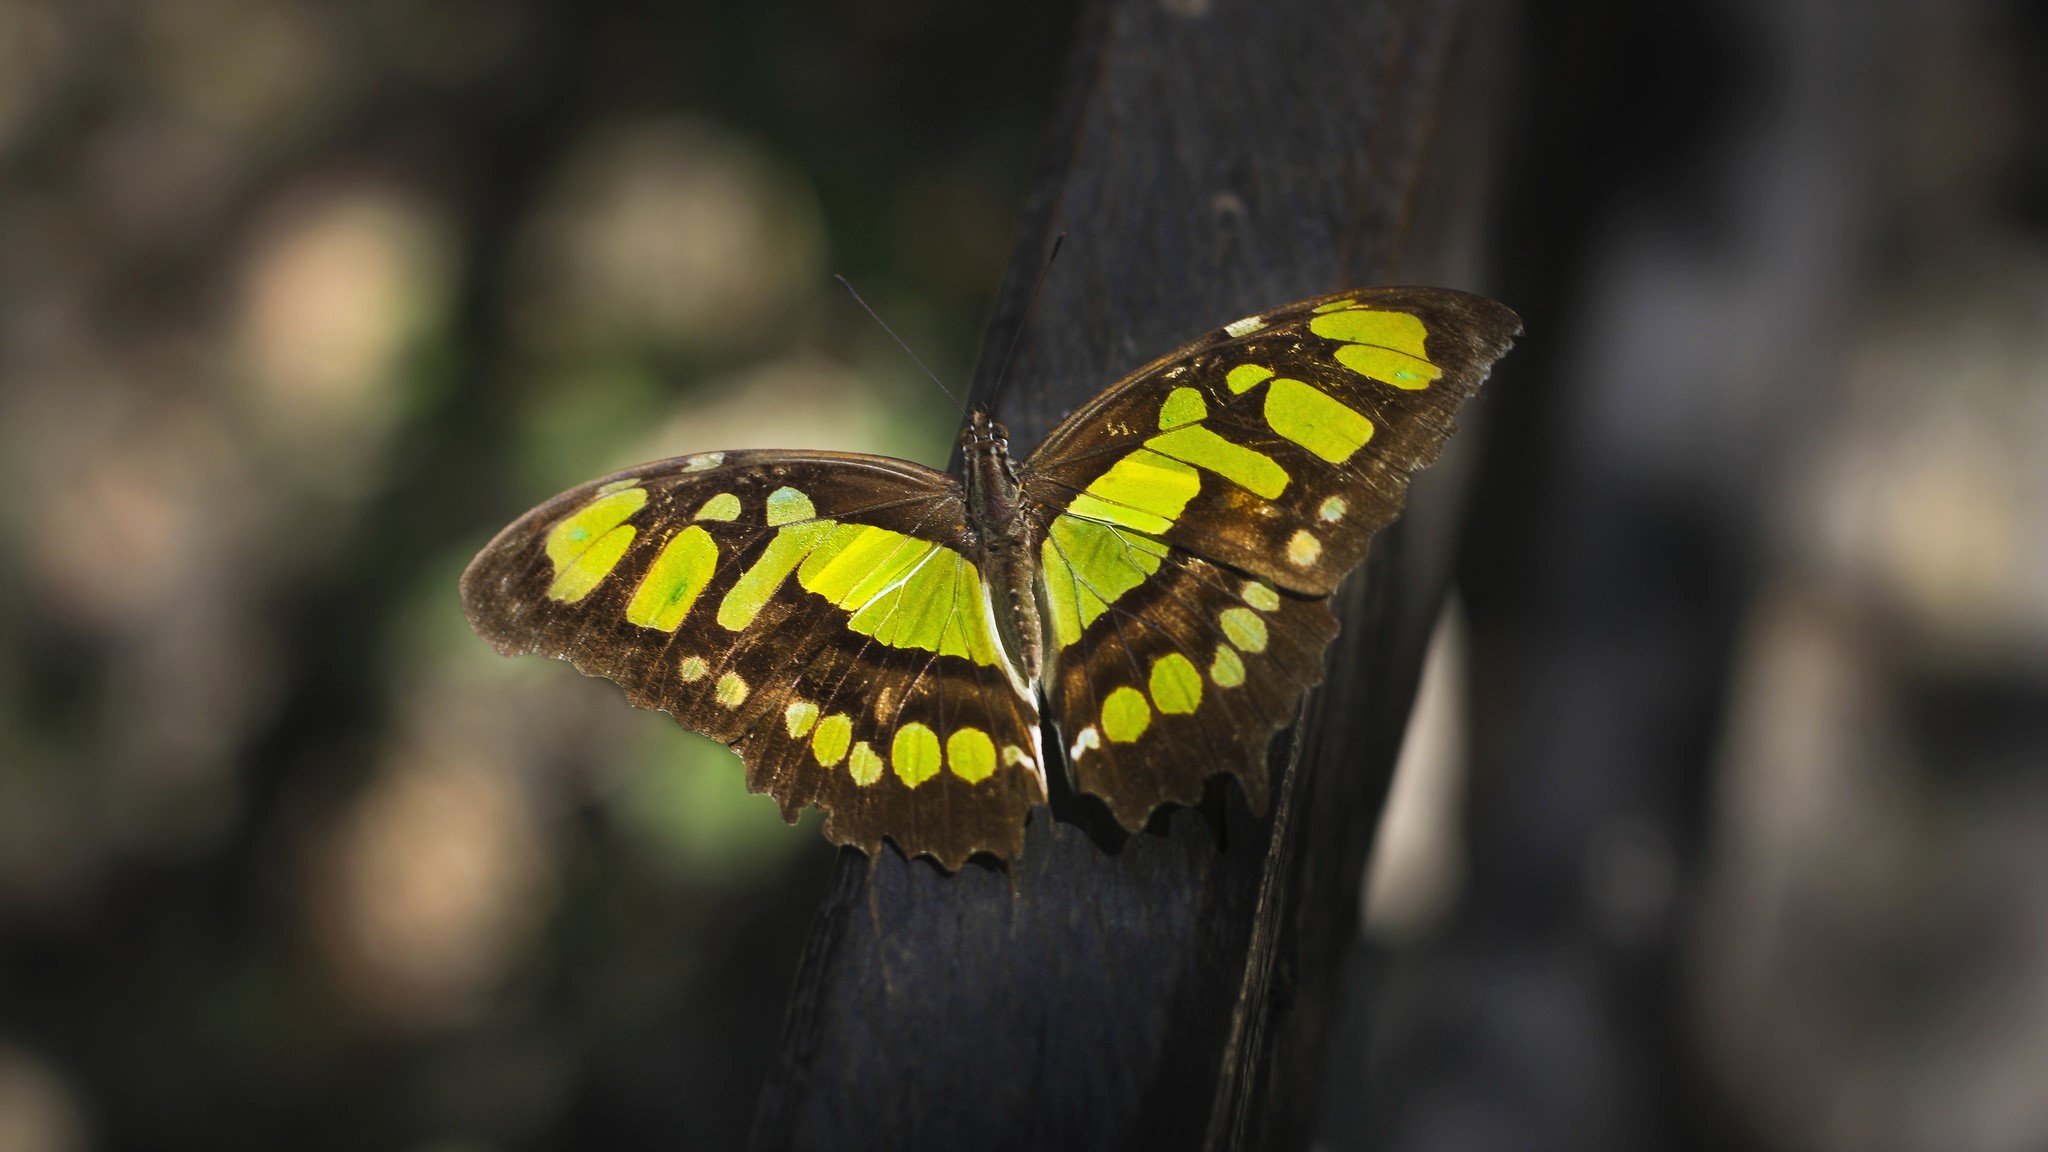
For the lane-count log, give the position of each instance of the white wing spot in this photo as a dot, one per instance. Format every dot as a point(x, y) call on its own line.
point(1333, 509)
point(1238, 328)
point(1089, 738)
point(693, 669)
point(704, 462)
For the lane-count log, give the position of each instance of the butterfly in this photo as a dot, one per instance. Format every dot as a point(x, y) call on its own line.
point(881, 640)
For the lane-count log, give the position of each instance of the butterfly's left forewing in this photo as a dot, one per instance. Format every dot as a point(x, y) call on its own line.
point(816, 611)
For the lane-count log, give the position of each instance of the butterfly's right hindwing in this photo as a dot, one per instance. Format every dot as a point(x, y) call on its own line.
point(1183, 669)
point(816, 611)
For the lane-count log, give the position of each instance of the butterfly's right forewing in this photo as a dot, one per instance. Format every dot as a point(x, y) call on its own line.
point(1280, 444)
point(1200, 512)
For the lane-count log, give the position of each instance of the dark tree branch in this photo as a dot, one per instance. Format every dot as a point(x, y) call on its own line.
point(1171, 988)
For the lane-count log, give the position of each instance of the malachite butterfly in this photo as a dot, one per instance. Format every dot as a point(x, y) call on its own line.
point(880, 640)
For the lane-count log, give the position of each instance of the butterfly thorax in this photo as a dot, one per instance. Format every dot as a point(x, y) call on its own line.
point(1007, 538)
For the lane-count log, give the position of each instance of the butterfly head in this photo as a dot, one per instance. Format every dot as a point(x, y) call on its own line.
point(984, 434)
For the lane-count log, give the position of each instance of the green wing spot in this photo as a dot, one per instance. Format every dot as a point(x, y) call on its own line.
point(829, 740)
point(1315, 420)
point(971, 755)
point(865, 765)
point(1176, 686)
point(799, 717)
point(1386, 365)
point(1244, 628)
point(591, 566)
point(756, 586)
point(577, 534)
point(904, 592)
point(787, 506)
point(922, 609)
point(1386, 346)
point(915, 753)
point(675, 580)
point(940, 607)
point(1261, 595)
point(914, 609)
point(585, 547)
point(1227, 670)
point(1303, 549)
point(731, 690)
point(1183, 406)
point(1336, 305)
point(724, 506)
point(1144, 491)
point(966, 632)
point(1246, 377)
point(856, 562)
point(692, 669)
point(1396, 330)
point(1253, 471)
point(1087, 566)
point(1062, 593)
point(1125, 715)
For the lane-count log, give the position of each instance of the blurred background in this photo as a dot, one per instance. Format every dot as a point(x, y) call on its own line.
point(300, 302)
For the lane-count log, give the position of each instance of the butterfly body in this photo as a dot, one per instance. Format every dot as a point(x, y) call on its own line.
point(881, 640)
point(1006, 540)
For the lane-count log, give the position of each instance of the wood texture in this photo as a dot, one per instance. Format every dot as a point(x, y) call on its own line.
point(1171, 989)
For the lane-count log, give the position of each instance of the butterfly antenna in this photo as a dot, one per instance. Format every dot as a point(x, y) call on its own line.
point(1030, 306)
point(848, 285)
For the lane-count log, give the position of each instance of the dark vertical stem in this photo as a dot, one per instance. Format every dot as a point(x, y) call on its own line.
point(1167, 989)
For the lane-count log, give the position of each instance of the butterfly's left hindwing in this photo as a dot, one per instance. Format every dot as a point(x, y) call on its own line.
point(816, 611)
